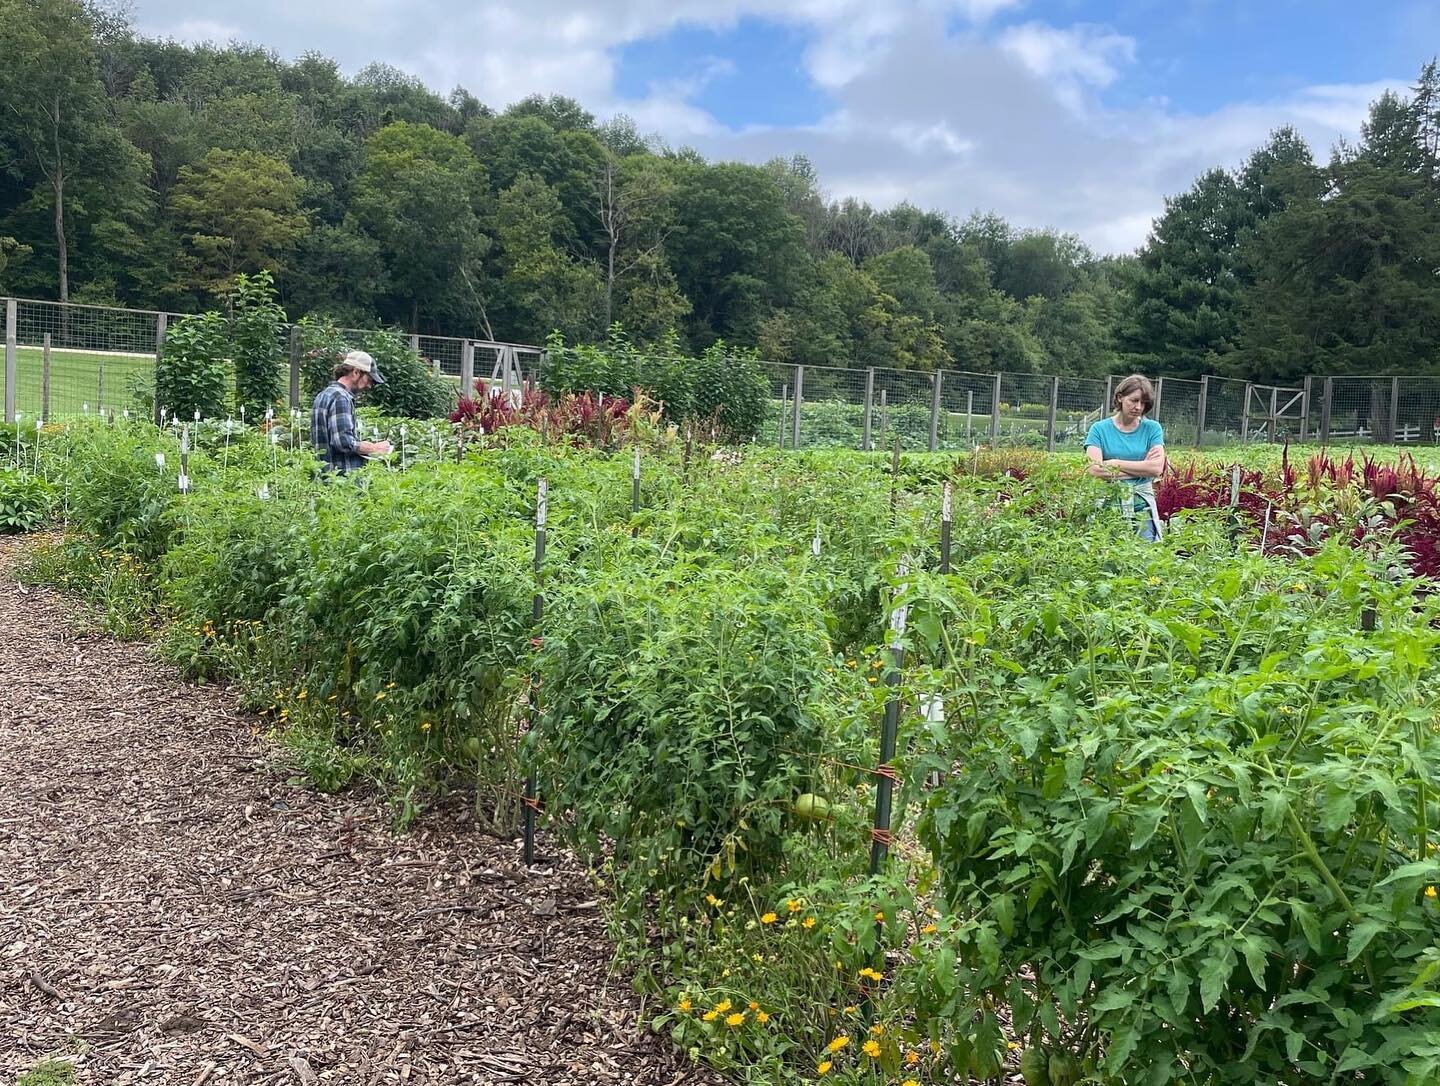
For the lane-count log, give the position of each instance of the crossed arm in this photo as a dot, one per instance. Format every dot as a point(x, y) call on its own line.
point(1152, 467)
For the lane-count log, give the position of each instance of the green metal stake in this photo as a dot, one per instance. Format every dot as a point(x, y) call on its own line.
point(542, 503)
point(880, 835)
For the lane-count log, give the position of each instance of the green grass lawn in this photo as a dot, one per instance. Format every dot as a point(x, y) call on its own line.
point(100, 379)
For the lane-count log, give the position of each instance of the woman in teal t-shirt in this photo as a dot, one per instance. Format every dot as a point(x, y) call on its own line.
point(1129, 448)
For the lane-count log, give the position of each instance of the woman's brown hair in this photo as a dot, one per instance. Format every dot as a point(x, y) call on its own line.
point(1135, 383)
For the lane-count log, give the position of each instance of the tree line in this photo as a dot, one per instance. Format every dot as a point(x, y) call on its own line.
point(145, 172)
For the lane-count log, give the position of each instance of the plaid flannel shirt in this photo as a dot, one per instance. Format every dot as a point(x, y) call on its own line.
point(332, 429)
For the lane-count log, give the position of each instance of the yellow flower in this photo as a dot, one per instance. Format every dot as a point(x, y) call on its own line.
point(1153, 581)
point(1430, 891)
point(302, 695)
point(736, 1019)
point(912, 1058)
point(879, 918)
point(389, 686)
point(380, 696)
point(684, 1005)
point(761, 1017)
point(928, 929)
point(871, 974)
point(871, 1049)
point(769, 918)
point(723, 1006)
point(838, 1043)
point(909, 1082)
point(870, 678)
point(808, 923)
point(425, 725)
point(1013, 1046)
point(710, 1016)
point(824, 1067)
point(935, 1047)
point(794, 905)
point(758, 957)
point(878, 1030)
point(713, 901)
point(852, 1009)
point(754, 1006)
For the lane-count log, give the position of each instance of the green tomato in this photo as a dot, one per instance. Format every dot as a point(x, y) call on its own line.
point(1064, 1071)
point(1035, 1067)
point(812, 808)
point(472, 747)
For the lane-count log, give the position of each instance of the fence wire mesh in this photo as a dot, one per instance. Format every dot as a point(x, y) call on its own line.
point(102, 359)
point(74, 359)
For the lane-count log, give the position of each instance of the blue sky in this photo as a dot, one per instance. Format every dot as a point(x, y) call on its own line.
point(1073, 114)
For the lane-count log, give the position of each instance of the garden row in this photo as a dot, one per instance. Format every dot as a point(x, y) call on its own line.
point(1161, 814)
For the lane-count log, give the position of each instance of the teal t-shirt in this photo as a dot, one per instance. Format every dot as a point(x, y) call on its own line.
point(1115, 444)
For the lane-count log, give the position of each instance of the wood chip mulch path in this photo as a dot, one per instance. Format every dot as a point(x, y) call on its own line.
point(174, 908)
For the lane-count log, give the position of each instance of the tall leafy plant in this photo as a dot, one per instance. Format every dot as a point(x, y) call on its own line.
point(257, 334)
point(192, 373)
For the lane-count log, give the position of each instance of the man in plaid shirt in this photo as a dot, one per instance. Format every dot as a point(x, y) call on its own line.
point(332, 416)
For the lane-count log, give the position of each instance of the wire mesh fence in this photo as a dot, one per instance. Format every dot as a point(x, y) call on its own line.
point(69, 360)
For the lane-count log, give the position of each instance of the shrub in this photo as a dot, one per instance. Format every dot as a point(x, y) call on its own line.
point(25, 501)
point(410, 390)
point(192, 374)
point(257, 343)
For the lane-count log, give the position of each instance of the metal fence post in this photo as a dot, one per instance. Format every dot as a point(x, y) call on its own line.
point(865, 443)
point(1050, 421)
point(415, 342)
point(784, 410)
point(1245, 414)
point(295, 367)
point(162, 322)
point(995, 412)
point(795, 406)
point(1327, 399)
point(1159, 396)
point(1274, 408)
point(1305, 408)
point(936, 378)
point(1394, 409)
point(12, 320)
point(45, 379)
point(884, 412)
point(1109, 405)
point(467, 369)
point(1200, 411)
point(969, 413)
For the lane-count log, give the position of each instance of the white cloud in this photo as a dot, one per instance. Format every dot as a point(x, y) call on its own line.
point(1091, 54)
point(199, 31)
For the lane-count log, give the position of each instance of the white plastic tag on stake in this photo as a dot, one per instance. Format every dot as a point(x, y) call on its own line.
point(269, 414)
point(160, 461)
point(901, 614)
point(85, 407)
point(542, 504)
point(635, 470)
point(184, 484)
point(1234, 486)
point(945, 503)
point(125, 414)
point(815, 543)
point(274, 437)
point(197, 414)
point(264, 492)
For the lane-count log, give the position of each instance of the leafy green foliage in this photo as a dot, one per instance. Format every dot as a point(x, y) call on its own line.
point(257, 343)
point(410, 390)
point(25, 501)
point(193, 373)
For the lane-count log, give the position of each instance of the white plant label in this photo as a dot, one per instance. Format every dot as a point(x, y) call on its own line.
point(945, 504)
point(635, 469)
point(160, 461)
point(815, 543)
point(542, 504)
point(264, 492)
point(184, 484)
